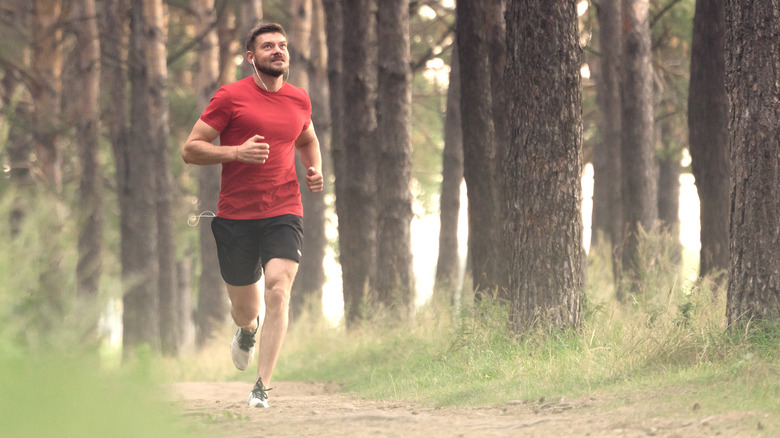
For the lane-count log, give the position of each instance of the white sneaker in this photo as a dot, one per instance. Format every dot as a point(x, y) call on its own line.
point(258, 398)
point(242, 348)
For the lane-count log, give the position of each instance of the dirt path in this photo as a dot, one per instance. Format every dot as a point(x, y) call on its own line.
point(300, 409)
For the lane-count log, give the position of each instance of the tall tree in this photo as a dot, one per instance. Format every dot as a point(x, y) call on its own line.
point(18, 111)
point(170, 295)
point(708, 133)
point(448, 272)
point(479, 147)
point(46, 88)
point(357, 207)
point(46, 93)
point(542, 165)
point(138, 205)
point(212, 306)
point(607, 216)
point(308, 286)
point(752, 77)
point(639, 192)
point(90, 240)
point(395, 275)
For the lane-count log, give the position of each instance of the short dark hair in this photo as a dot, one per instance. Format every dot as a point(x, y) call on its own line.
point(261, 29)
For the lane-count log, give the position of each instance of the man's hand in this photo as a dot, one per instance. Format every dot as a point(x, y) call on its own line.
point(314, 180)
point(253, 151)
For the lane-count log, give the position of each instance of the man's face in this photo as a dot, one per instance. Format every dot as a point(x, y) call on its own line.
point(271, 55)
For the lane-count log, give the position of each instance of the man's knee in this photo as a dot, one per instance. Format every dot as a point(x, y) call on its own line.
point(277, 298)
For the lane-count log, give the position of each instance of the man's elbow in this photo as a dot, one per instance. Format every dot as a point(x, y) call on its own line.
point(186, 155)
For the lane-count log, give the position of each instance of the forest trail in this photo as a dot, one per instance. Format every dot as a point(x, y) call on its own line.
point(314, 409)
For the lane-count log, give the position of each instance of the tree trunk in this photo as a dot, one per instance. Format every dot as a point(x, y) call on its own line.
point(752, 75)
point(542, 167)
point(46, 92)
point(708, 133)
point(639, 192)
point(669, 169)
point(307, 289)
point(18, 111)
point(479, 148)
point(448, 272)
point(395, 275)
point(213, 304)
point(138, 206)
point(251, 15)
point(90, 240)
point(334, 23)
point(46, 89)
point(607, 218)
point(357, 214)
point(156, 54)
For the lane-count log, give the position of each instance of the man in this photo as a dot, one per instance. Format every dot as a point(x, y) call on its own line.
point(260, 121)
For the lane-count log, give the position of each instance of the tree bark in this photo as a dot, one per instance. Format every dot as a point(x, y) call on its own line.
point(607, 218)
point(708, 133)
point(90, 240)
point(448, 271)
point(309, 283)
point(542, 166)
point(138, 206)
point(639, 191)
point(357, 213)
point(213, 305)
point(307, 288)
point(395, 275)
point(752, 75)
point(479, 148)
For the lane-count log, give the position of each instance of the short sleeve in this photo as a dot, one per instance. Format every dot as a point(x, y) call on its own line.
point(219, 111)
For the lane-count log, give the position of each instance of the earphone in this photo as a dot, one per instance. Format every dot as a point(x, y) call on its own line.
point(261, 79)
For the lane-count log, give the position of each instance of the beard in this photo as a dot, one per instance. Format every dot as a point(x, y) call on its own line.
point(270, 70)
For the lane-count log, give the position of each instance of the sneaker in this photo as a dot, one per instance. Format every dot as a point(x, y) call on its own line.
point(242, 348)
point(258, 398)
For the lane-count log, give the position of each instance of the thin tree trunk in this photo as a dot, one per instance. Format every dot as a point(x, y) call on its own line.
point(251, 15)
point(334, 23)
point(479, 148)
point(708, 133)
point(357, 218)
point(138, 207)
point(542, 167)
point(448, 271)
point(213, 303)
point(669, 170)
point(607, 216)
point(90, 241)
point(395, 275)
point(309, 283)
point(46, 89)
point(639, 191)
point(752, 75)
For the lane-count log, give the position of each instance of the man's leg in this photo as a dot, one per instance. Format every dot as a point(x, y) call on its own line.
point(244, 305)
point(279, 275)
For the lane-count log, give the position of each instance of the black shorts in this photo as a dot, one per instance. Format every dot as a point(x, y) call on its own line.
point(245, 246)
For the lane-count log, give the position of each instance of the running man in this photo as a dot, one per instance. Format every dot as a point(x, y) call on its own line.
point(260, 121)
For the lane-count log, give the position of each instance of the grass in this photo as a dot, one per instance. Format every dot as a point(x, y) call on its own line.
point(671, 341)
point(668, 342)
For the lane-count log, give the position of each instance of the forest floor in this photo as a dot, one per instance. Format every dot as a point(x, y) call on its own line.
point(314, 409)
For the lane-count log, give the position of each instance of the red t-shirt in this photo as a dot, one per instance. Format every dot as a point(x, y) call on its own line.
point(240, 110)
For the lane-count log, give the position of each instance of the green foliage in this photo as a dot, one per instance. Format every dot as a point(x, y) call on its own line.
point(49, 394)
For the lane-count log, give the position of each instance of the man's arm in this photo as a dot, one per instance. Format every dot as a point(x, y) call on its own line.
point(198, 148)
point(309, 152)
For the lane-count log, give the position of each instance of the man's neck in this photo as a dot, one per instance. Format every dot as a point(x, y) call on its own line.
point(268, 83)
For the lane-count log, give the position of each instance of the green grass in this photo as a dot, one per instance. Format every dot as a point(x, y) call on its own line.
point(671, 341)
